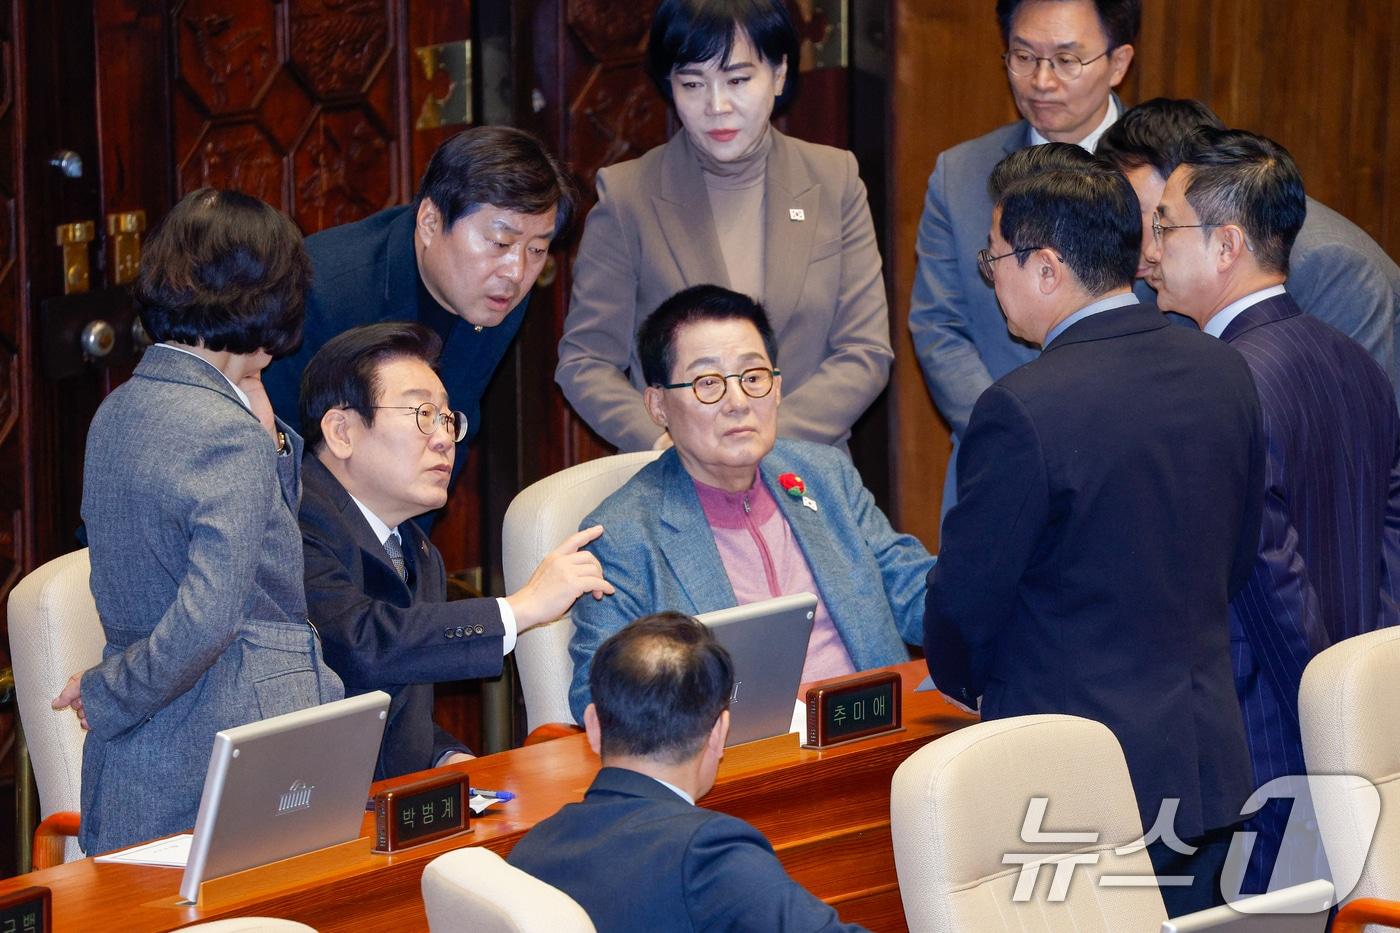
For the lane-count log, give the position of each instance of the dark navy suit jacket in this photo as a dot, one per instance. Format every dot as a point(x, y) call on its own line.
point(638, 857)
point(366, 272)
point(381, 632)
point(1329, 550)
point(1108, 507)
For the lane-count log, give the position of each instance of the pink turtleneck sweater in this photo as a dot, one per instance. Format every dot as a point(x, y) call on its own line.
point(763, 560)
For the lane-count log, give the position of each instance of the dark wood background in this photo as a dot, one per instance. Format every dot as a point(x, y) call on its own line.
point(1320, 78)
point(310, 103)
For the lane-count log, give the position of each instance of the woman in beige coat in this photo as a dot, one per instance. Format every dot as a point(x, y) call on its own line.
point(730, 201)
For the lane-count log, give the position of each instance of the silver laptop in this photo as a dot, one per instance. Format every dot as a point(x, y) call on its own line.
point(768, 644)
point(284, 786)
point(1302, 908)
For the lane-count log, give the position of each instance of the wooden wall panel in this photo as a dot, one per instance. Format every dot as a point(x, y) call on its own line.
point(1317, 77)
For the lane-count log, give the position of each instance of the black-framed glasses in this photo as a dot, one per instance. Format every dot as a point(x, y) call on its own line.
point(1158, 228)
point(710, 387)
point(985, 260)
point(429, 416)
point(1066, 65)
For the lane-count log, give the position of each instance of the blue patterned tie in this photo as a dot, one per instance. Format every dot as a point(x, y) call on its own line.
point(394, 549)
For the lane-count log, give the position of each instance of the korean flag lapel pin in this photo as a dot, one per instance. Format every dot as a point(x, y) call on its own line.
point(796, 214)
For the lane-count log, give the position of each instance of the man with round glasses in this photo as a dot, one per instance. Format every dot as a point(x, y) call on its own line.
point(1063, 58)
point(731, 515)
point(380, 443)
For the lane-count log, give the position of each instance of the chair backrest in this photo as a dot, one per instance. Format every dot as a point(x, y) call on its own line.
point(54, 633)
point(961, 804)
point(1347, 705)
point(250, 925)
point(475, 890)
point(538, 520)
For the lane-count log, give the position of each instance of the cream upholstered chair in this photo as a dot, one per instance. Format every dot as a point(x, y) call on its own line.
point(475, 890)
point(250, 925)
point(1347, 707)
point(958, 805)
point(538, 519)
point(54, 633)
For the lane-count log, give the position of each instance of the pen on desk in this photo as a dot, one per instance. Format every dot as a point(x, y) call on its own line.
point(493, 794)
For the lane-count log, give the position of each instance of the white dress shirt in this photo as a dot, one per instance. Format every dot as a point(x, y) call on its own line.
point(1217, 324)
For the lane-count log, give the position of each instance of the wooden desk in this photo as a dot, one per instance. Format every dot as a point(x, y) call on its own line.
point(826, 813)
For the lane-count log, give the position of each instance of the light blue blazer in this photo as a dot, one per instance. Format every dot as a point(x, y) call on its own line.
point(659, 553)
point(197, 575)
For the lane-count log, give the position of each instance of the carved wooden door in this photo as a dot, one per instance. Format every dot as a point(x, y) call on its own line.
point(311, 105)
point(328, 109)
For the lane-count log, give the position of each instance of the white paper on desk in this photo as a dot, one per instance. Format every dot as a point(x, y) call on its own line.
point(799, 718)
point(163, 853)
point(479, 804)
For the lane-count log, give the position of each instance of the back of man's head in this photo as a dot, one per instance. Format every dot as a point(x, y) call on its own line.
point(501, 166)
point(1080, 206)
point(658, 687)
point(1036, 160)
point(1152, 134)
point(344, 372)
point(1242, 178)
point(1120, 18)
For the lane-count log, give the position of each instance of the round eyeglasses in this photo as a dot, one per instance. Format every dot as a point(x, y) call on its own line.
point(1066, 65)
point(429, 416)
point(709, 388)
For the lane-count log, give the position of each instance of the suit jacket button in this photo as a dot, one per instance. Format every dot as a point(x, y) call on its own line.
point(447, 632)
point(479, 630)
point(461, 632)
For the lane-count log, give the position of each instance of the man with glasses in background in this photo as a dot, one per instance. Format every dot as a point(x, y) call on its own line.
point(380, 443)
point(1336, 272)
point(1063, 58)
point(1328, 565)
point(1109, 499)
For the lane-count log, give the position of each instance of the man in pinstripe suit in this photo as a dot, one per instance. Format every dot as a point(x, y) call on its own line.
point(1329, 550)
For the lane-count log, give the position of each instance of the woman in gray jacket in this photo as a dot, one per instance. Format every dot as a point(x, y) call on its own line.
point(190, 495)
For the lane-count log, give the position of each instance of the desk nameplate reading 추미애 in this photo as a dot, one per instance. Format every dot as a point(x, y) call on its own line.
point(857, 706)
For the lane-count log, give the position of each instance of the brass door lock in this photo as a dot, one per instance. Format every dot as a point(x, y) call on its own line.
point(74, 239)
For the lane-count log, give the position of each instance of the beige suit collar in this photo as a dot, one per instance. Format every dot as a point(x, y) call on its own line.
point(688, 225)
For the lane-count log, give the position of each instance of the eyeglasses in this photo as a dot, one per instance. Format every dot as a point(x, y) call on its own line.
point(1158, 228)
point(1066, 65)
point(429, 416)
point(985, 260)
point(710, 387)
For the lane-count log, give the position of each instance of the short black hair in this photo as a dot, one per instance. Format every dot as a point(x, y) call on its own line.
point(658, 686)
point(656, 340)
point(1036, 160)
point(345, 372)
point(501, 166)
point(1089, 215)
point(225, 270)
point(684, 32)
point(1152, 132)
point(1120, 19)
point(1238, 177)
